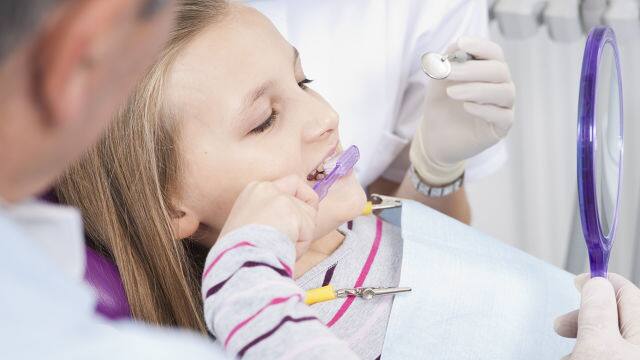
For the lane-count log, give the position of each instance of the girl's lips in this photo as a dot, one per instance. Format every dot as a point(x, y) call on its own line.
point(327, 164)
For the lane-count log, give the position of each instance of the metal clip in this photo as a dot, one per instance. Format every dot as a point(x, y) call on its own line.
point(380, 202)
point(369, 293)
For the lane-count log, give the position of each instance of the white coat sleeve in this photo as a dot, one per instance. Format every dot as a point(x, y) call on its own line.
point(47, 314)
point(433, 26)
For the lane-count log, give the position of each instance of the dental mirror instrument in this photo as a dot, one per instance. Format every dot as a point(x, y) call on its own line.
point(438, 66)
point(600, 146)
point(344, 164)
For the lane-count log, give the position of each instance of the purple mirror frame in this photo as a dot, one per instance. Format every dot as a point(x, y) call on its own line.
point(598, 243)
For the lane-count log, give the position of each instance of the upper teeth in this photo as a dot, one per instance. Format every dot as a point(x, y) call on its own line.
point(324, 167)
point(329, 164)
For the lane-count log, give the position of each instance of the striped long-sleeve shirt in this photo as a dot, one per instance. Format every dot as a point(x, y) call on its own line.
point(256, 310)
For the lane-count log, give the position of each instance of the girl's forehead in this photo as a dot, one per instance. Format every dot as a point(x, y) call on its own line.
point(244, 37)
point(226, 60)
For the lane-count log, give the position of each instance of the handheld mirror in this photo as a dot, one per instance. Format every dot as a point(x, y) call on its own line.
point(600, 142)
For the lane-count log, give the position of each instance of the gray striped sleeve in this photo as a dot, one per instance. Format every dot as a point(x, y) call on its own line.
point(254, 307)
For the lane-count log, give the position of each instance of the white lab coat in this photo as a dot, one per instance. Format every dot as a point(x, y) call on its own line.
point(364, 59)
point(46, 310)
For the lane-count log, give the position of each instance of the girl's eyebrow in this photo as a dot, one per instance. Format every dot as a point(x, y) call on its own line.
point(256, 93)
point(253, 96)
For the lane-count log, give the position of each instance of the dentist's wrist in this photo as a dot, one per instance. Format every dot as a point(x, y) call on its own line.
point(430, 172)
point(432, 191)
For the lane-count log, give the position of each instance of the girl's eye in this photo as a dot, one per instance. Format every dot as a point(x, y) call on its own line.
point(266, 124)
point(303, 84)
point(274, 114)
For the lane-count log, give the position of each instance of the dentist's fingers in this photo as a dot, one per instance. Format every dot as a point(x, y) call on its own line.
point(499, 118)
point(598, 310)
point(580, 280)
point(628, 297)
point(480, 71)
point(482, 93)
point(567, 324)
point(480, 48)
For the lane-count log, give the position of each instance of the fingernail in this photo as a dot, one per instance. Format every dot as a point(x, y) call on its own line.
point(559, 325)
point(456, 92)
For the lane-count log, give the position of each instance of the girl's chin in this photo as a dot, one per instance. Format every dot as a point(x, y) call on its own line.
point(345, 201)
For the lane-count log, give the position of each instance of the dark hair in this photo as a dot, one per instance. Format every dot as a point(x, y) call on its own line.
point(18, 19)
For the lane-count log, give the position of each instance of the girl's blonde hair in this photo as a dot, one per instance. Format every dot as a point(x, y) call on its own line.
point(124, 185)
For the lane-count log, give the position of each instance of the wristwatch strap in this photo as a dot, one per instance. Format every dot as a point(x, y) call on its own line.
point(435, 191)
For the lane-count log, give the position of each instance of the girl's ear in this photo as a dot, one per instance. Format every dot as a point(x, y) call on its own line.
point(184, 222)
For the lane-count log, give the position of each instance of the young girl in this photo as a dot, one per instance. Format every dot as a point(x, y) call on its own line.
point(227, 104)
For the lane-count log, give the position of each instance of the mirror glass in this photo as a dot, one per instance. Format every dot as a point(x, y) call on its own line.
point(608, 140)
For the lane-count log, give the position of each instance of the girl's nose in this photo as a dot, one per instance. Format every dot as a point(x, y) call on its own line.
point(322, 124)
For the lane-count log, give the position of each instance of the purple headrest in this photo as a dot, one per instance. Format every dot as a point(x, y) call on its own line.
point(103, 276)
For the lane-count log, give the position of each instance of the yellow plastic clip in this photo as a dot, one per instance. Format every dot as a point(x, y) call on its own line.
point(321, 294)
point(368, 208)
point(381, 202)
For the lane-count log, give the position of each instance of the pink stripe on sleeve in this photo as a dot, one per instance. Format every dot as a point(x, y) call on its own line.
point(215, 261)
point(244, 322)
point(363, 274)
point(286, 268)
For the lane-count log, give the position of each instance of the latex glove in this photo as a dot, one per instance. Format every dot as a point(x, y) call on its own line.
point(465, 114)
point(607, 326)
point(288, 204)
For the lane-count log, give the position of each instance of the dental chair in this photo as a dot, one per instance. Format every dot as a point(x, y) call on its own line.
point(103, 276)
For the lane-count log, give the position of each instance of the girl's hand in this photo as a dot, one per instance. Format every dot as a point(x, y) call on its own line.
point(288, 204)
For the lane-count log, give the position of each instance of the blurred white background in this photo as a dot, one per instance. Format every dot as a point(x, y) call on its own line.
point(531, 202)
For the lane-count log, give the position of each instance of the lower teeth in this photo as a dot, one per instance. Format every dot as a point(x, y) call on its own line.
point(316, 175)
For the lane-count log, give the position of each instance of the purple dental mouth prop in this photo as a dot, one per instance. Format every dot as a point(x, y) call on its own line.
point(344, 164)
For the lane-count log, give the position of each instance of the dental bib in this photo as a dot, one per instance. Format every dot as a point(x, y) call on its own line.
point(472, 296)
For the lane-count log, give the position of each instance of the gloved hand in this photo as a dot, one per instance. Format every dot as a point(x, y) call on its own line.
point(465, 114)
point(607, 326)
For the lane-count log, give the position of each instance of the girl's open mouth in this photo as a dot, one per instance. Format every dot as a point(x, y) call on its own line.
point(325, 167)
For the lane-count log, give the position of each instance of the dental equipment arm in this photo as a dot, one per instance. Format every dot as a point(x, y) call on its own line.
point(624, 17)
point(563, 20)
point(607, 325)
point(519, 19)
